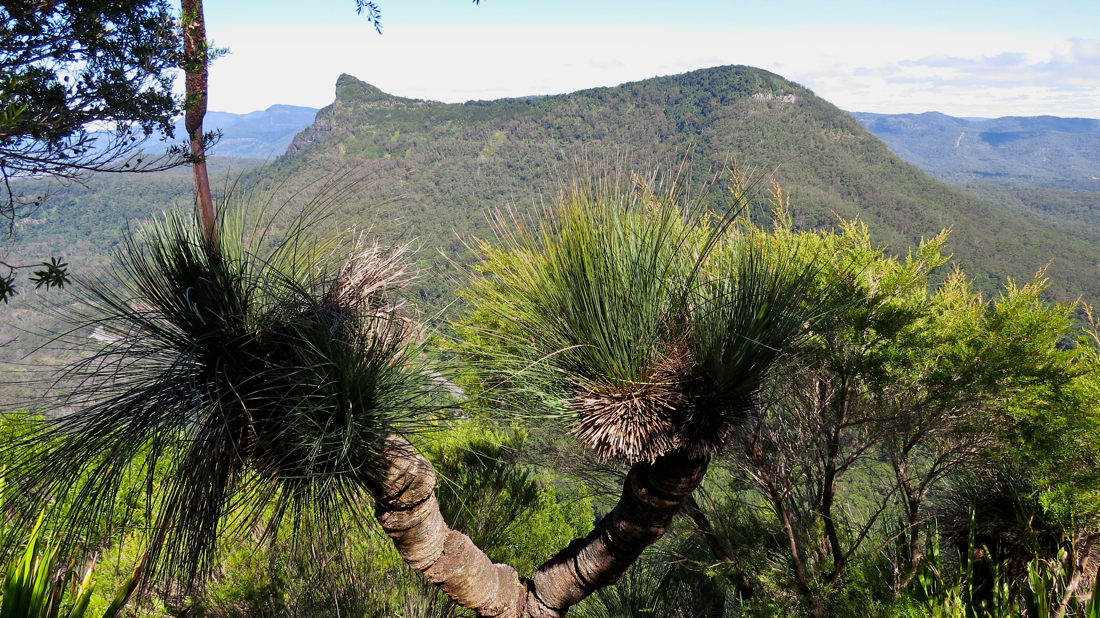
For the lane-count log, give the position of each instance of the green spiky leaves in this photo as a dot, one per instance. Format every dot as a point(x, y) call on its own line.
point(643, 324)
point(250, 382)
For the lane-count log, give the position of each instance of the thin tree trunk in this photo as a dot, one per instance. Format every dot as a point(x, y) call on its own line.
point(828, 487)
point(1083, 550)
point(777, 499)
point(801, 577)
point(912, 514)
point(196, 61)
point(703, 525)
point(408, 511)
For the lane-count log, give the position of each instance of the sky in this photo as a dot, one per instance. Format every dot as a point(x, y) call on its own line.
point(969, 58)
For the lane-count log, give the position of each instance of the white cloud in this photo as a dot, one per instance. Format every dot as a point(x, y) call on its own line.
point(1074, 68)
point(1058, 78)
point(960, 73)
point(607, 63)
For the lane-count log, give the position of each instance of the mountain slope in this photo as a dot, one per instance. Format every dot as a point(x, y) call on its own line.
point(1077, 212)
point(456, 163)
point(1040, 151)
point(463, 160)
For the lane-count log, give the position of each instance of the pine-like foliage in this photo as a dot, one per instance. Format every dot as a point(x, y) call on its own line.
point(252, 379)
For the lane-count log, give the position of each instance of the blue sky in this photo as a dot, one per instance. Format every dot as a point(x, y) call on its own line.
point(965, 58)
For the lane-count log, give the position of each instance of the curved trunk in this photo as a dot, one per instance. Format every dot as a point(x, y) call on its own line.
point(409, 513)
point(652, 495)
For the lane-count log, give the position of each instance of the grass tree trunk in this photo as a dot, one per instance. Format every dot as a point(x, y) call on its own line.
point(195, 65)
point(652, 495)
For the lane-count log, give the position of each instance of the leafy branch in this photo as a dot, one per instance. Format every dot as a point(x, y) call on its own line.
point(54, 275)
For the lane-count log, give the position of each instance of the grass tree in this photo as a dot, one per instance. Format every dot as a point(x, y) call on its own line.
point(247, 379)
point(644, 330)
point(256, 380)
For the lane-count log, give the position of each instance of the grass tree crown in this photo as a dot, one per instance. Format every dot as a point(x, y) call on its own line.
point(254, 377)
point(639, 318)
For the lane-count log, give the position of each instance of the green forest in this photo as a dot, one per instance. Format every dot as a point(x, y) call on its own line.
point(694, 346)
point(880, 441)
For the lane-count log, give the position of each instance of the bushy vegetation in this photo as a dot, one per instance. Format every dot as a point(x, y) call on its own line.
point(882, 441)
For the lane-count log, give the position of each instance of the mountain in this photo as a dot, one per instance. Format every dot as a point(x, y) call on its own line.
point(257, 135)
point(261, 134)
point(460, 161)
point(443, 168)
point(1040, 151)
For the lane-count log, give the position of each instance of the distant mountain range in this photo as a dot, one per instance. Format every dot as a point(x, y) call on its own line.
point(261, 134)
point(257, 135)
point(1039, 151)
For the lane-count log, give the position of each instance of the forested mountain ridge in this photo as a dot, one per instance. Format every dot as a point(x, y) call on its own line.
point(466, 160)
point(454, 164)
point(1039, 151)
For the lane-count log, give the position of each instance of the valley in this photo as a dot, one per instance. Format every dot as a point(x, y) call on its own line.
point(440, 170)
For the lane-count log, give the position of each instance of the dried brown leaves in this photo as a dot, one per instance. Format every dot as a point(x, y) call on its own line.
point(644, 420)
point(366, 283)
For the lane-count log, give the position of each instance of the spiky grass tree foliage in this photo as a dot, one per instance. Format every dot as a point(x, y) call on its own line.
point(581, 318)
point(256, 378)
point(646, 329)
point(631, 316)
point(757, 298)
point(996, 511)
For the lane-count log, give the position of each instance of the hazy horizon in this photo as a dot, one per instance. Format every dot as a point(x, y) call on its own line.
point(977, 58)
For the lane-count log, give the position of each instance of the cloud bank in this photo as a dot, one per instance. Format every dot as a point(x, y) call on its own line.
point(956, 72)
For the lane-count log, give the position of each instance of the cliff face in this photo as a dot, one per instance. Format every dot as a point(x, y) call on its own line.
point(313, 134)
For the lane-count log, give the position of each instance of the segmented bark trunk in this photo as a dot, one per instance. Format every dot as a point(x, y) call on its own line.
point(408, 511)
point(652, 495)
